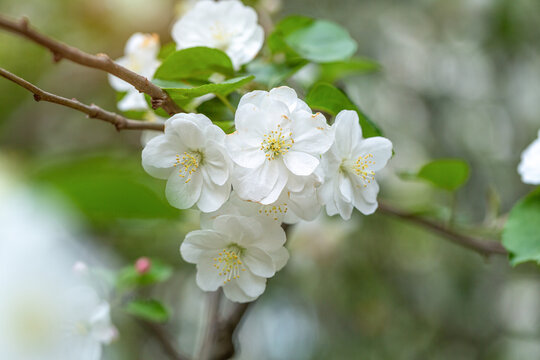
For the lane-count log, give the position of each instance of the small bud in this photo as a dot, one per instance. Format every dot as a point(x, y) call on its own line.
point(143, 265)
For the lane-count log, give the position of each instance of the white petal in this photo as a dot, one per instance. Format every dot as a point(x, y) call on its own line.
point(363, 206)
point(251, 284)
point(280, 258)
point(286, 95)
point(233, 292)
point(216, 163)
point(344, 207)
point(300, 163)
point(159, 156)
point(199, 241)
point(259, 262)
point(529, 167)
point(189, 133)
point(245, 155)
point(208, 278)
point(311, 133)
point(256, 184)
point(379, 147)
point(346, 187)
point(278, 187)
point(348, 132)
point(212, 196)
point(182, 194)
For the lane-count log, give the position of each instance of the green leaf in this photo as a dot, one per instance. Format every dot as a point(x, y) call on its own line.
point(328, 98)
point(322, 41)
point(337, 70)
point(276, 40)
point(272, 75)
point(151, 310)
point(448, 174)
point(521, 234)
point(166, 50)
point(180, 92)
point(128, 277)
point(194, 63)
point(107, 187)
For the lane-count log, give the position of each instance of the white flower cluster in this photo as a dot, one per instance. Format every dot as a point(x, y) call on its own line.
point(283, 162)
point(281, 165)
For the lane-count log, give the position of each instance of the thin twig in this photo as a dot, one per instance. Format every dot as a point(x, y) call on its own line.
point(484, 247)
point(100, 61)
point(161, 336)
point(92, 111)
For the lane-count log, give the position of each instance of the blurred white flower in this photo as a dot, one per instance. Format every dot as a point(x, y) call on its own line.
point(349, 168)
point(239, 253)
point(529, 167)
point(226, 25)
point(45, 311)
point(140, 56)
point(277, 144)
point(147, 135)
point(192, 157)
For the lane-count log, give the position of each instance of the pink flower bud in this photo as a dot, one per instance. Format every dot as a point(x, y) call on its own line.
point(142, 265)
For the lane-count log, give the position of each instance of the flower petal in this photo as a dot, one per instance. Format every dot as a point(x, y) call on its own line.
point(280, 258)
point(182, 194)
point(256, 184)
point(245, 155)
point(311, 133)
point(233, 292)
point(379, 147)
point(159, 156)
point(208, 278)
point(133, 100)
point(259, 262)
point(251, 284)
point(347, 132)
point(199, 241)
point(300, 163)
point(212, 196)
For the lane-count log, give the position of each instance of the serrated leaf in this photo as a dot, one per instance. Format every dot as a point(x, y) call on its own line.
point(128, 277)
point(521, 234)
point(194, 63)
point(328, 98)
point(448, 174)
point(181, 91)
point(151, 310)
point(337, 70)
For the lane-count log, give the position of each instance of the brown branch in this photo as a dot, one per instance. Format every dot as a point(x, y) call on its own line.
point(100, 61)
point(224, 348)
point(210, 333)
point(161, 336)
point(484, 247)
point(92, 111)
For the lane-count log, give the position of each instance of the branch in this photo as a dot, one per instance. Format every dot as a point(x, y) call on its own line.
point(212, 326)
point(100, 61)
point(160, 335)
point(92, 111)
point(484, 247)
point(223, 348)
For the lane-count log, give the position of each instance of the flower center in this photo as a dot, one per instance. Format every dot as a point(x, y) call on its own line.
point(220, 36)
point(229, 264)
point(274, 210)
point(361, 168)
point(188, 163)
point(277, 142)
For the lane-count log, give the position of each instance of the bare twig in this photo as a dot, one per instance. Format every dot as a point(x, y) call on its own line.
point(484, 247)
point(161, 336)
point(92, 111)
point(100, 61)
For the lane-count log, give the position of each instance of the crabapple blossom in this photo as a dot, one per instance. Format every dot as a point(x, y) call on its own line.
point(192, 157)
point(238, 253)
point(349, 168)
point(290, 207)
point(140, 56)
point(277, 144)
point(529, 167)
point(226, 25)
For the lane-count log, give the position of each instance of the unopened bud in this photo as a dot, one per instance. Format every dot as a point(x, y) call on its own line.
point(142, 265)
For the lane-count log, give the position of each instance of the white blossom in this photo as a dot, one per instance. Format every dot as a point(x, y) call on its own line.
point(350, 166)
point(226, 25)
point(140, 56)
point(147, 135)
point(277, 144)
point(192, 157)
point(529, 167)
point(238, 253)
